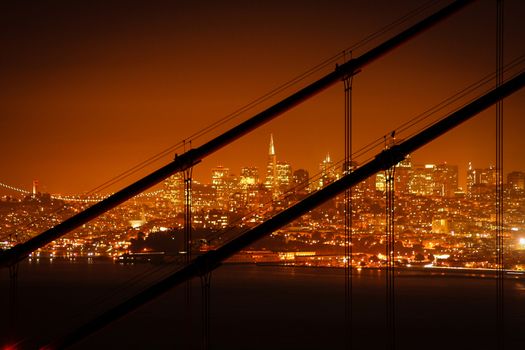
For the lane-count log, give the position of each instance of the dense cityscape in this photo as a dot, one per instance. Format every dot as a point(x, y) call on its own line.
point(437, 223)
point(174, 175)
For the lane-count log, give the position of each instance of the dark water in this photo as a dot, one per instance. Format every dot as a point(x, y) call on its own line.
point(264, 307)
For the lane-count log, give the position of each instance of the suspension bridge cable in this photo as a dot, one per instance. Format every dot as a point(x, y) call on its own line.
point(138, 167)
point(472, 99)
point(460, 94)
point(222, 234)
point(390, 256)
point(348, 211)
point(210, 259)
point(500, 280)
point(323, 64)
point(328, 62)
point(263, 98)
point(188, 173)
point(163, 270)
point(316, 68)
point(392, 25)
point(229, 136)
point(436, 108)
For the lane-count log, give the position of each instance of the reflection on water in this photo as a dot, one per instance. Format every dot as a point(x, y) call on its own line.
point(262, 307)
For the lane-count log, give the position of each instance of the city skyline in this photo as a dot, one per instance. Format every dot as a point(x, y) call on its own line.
point(262, 174)
point(84, 103)
point(148, 146)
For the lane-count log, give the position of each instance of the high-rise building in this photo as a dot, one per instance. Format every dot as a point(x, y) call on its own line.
point(422, 181)
point(271, 169)
point(328, 171)
point(487, 176)
point(402, 179)
point(203, 197)
point(249, 177)
point(301, 177)
point(446, 180)
point(219, 182)
point(380, 181)
point(516, 180)
point(278, 174)
point(174, 191)
point(471, 178)
point(480, 180)
point(284, 176)
point(247, 194)
point(403, 172)
point(434, 180)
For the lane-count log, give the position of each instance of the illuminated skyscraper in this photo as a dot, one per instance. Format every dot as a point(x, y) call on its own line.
point(380, 181)
point(480, 181)
point(284, 176)
point(402, 176)
point(516, 181)
point(487, 176)
point(278, 174)
point(328, 171)
point(434, 180)
point(249, 177)
point(271, 169)
point(174, 191)
point(471, 178)
point(422, 182)
point(219, 182)
point(446, 179)
point(247, 194)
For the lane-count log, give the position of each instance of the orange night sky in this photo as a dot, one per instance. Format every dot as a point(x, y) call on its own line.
point(91, 88)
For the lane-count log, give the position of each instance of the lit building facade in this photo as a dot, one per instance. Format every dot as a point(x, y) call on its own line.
point(480, 181)
point(403, 173)
point(328, 172)
point(278, 174)
point(516, 180)
point(446, 180)
point(434, 180)
point(174, 191)
point(422, 182)
point(284, 176)
point(270, 181)
point(219, 182)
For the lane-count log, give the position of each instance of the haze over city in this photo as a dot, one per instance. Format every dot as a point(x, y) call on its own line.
point(93, 88)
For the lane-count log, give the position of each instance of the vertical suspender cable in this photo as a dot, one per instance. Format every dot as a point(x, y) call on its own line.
point(194, 156)
point(205, 286)
point(500, 278)
point(188, 173)
point(347, 167)
point(390, 257)
point(211, 260)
